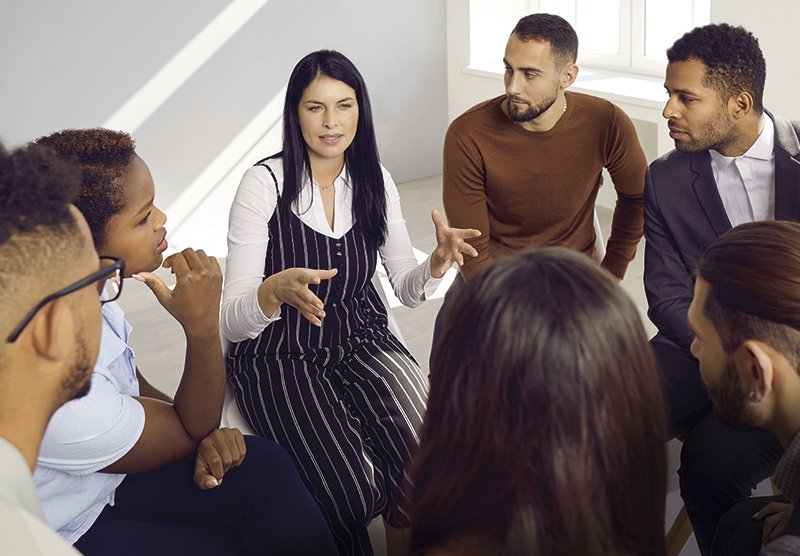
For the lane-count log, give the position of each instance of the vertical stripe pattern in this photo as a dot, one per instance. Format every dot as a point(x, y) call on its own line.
point(346, 399)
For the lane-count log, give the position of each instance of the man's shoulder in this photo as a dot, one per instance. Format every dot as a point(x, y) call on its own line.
point(671, 162)
point(485, 112)
point(787, 133)
point(595, 106)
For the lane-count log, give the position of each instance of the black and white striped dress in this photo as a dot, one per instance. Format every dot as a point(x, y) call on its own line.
point(346, 399)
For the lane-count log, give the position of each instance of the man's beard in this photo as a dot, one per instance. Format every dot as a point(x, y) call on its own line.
point(715, 135)
point(730, 401)
point(78, 381)
point(531, 112)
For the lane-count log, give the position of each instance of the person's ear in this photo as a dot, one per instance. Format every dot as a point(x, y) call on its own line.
point(740, 105)
point(569, 73)
point(51, 331)
point(756, 367)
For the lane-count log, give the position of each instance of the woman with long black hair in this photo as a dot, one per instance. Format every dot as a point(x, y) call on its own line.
point(314, 365)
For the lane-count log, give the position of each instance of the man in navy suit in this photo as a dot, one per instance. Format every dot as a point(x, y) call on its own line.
point(733, 162)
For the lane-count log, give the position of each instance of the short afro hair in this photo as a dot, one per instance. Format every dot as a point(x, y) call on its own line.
point(733, 59)
point(103, 156)
point(552, 29)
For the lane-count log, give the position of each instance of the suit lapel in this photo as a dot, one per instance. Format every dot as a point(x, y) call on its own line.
point(705, 188)
point(787, 170)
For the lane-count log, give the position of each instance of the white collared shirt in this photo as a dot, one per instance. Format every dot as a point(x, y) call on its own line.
point(22, 530)
point(746, 183)
point(89, 434)
point(252, 209)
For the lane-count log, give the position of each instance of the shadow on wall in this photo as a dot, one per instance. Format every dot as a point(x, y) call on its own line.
point(202, 90)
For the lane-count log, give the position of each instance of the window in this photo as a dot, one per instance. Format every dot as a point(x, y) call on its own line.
point(623, 35)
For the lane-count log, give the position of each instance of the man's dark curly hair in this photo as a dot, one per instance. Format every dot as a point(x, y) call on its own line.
point(104, 156)
point(36, 187)
point(733, 59)
point(552, 29)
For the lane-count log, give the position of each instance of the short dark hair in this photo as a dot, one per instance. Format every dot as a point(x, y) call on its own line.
point(38, 232)
point(361, 157)
point(753, 274)
point(103, 156)
point(552, 29)
point(545, 386)
point(733, 59)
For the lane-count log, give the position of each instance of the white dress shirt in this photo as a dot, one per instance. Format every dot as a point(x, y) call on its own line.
point(22, 530)
point(252, 209)
point(746, 183)
point(89, 434)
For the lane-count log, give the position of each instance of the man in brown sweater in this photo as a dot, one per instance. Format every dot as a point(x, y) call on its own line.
point(525, 168)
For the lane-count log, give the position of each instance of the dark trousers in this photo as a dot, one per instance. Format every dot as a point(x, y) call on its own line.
point(719, 465)
point(261, 507)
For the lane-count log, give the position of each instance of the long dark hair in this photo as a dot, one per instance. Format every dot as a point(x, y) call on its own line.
point(545, 428)
point(361, 157)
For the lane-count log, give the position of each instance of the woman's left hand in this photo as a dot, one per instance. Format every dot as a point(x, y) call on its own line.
point(450, 246)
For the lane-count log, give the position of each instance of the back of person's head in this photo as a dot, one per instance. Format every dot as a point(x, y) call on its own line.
point(733, 59)
point(551, 29)
point(753, 274)
point(361, 157)
point(39, 233)
point(544, 432)
point(103, 156)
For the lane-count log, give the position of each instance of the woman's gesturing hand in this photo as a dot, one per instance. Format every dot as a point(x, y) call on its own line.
point(291, 286)
point(450, 246)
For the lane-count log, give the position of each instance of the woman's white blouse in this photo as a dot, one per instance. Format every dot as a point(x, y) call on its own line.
point(252, 209)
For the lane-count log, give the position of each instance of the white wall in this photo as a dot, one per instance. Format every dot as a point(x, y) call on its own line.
point(70, 64)
point(774, 22)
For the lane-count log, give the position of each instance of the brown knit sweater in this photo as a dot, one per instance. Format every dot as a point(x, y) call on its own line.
point(527, 189)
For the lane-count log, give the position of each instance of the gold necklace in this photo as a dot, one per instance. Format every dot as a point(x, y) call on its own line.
point(322, 189)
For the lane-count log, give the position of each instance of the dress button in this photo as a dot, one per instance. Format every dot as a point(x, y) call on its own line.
point(339, 253)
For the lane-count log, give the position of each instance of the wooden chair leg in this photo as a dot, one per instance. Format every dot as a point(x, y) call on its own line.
point(679, 533)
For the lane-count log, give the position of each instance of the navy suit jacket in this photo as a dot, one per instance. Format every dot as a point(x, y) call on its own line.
point(683, 215)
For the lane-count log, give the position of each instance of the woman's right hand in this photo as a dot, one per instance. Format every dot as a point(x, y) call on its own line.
point(291, 286)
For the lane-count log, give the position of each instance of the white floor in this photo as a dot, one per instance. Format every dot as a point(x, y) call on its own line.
point(159, 345)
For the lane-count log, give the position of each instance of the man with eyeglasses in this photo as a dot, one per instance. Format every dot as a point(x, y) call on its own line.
point(50, 277)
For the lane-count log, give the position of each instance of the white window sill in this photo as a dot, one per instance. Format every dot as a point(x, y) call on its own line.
point(617, 86)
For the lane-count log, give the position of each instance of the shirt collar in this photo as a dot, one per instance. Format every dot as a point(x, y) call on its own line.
point(16, 483)
point(342, 178)
point(114, 334)
point(761, 149)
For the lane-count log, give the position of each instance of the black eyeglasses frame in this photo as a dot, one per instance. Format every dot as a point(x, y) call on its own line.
point(117, 266)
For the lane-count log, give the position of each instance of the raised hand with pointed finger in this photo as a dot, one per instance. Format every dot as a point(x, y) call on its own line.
point(451, 246)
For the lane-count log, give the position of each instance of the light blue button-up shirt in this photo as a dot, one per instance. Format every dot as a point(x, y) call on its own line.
point(89, 434)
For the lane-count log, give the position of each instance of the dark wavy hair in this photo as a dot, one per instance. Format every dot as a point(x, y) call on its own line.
point(552, 29)
point(753, 273)
point(103, 156)
point(545, 427)
point(361, 157)
point(733, 59)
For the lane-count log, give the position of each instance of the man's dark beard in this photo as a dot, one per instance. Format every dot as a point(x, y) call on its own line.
point(729, 400)
point(532, 112)
point(77, 383)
